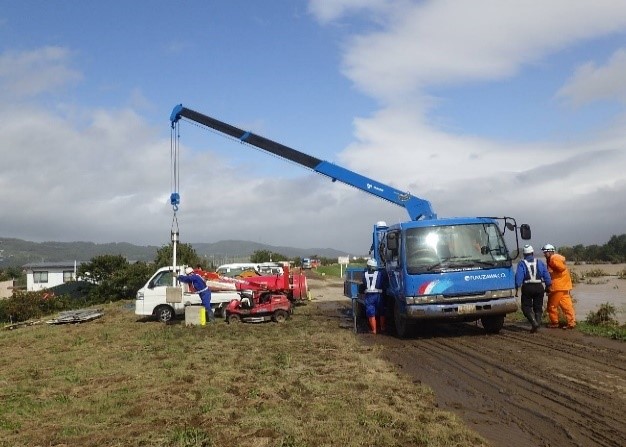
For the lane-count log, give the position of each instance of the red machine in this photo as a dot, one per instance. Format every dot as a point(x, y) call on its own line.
point(263, 298)
point(257, 306)
point(292, 285)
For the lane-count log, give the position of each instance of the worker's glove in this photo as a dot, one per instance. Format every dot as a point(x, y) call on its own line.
point(547, 290)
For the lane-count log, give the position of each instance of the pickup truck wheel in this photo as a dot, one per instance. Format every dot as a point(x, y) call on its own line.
point(493, 323)
point(280, 316)
point(402, 326)
point(233, 319)
point(164, 313)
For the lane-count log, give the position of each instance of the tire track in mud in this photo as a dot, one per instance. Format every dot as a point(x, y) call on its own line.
point(575, 408)
point(518, 389)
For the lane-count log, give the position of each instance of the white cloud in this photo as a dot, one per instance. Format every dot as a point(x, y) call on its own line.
point(329, 10)
point(35, 72)
point(592, 83)
point(443, 42)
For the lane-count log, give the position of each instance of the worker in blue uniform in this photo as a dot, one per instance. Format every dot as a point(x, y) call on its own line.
point(374, 284)
point(531, 275)
point(199, 285)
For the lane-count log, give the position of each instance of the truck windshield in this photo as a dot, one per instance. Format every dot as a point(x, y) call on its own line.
point(453, 247)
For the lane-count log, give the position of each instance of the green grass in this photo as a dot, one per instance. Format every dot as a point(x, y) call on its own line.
point(601, 323)
point(612, 332)
point(117, 381)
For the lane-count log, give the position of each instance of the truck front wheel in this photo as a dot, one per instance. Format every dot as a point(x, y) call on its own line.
point(492, 323)
point(401, 325)
point(164, 314)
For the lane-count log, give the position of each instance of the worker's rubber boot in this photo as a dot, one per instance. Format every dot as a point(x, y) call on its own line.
point(534, 324)
point(530, 316)
point(372, 321)
point(210, 317)
point(383, 325)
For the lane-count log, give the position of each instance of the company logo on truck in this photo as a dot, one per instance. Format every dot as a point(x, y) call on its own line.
point(431, 287)
point(484, 276)
point(374, 187)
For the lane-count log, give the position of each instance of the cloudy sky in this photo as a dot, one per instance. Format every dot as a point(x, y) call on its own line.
point(487, 107)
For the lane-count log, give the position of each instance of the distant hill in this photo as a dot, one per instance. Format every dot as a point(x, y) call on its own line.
point(17, 252)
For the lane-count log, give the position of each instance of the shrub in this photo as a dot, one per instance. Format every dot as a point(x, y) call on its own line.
point(24, 306)
point(604, 316)
point(596, 273)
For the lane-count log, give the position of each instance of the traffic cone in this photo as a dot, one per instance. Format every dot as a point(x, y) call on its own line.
point(372, 321)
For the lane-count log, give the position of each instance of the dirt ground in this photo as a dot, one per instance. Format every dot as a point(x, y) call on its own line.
point(553, 388)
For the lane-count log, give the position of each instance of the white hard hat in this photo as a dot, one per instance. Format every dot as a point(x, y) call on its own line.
point(372, 263)
point(528, 249)
point(188, 270)
point(547, 247)
point(381, 224)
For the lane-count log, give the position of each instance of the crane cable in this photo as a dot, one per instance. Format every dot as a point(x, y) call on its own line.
point(174, 171)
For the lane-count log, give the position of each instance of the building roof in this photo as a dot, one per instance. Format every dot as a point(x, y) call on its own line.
point(52, 265)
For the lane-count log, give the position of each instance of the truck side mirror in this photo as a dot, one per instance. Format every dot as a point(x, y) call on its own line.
point(524, 230)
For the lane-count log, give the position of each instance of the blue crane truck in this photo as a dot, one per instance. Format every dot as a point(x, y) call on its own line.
point(439, 269)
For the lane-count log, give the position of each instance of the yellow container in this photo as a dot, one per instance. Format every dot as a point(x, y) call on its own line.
point(202, 316)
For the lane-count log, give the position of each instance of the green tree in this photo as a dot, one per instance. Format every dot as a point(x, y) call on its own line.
point(101, 268)
point(185, 255)
point(11, 273)
point(616, 248)
point(114, 277)
point(267, 256)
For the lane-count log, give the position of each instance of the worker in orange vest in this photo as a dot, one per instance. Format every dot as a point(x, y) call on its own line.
point(559, 296)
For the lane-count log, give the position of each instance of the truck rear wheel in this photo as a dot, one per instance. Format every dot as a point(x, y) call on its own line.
point(164, 313)
point(492, 323)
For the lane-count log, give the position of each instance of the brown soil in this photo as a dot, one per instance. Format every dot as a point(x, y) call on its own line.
point(553, 388)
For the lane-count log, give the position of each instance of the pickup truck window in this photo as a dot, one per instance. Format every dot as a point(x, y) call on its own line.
point(163, 279)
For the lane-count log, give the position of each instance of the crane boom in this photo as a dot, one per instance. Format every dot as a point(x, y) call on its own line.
point(416, 207)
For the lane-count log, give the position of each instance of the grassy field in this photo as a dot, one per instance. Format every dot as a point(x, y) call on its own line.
point(117, 381)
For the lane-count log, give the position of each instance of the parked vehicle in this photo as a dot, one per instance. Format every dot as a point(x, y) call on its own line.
point(432, 273)
point(236, 269)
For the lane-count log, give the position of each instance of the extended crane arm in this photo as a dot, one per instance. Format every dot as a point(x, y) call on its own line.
point(416, 207)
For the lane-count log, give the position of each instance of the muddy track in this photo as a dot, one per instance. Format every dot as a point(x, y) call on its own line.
point(553, 388)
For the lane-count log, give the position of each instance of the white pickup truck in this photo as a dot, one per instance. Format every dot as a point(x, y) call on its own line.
point(164, 298)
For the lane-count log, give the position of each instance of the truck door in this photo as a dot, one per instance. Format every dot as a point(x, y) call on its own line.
point(154, 291)
point(391, 252)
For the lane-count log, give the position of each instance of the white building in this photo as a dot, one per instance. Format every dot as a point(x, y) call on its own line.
point(43, 275)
